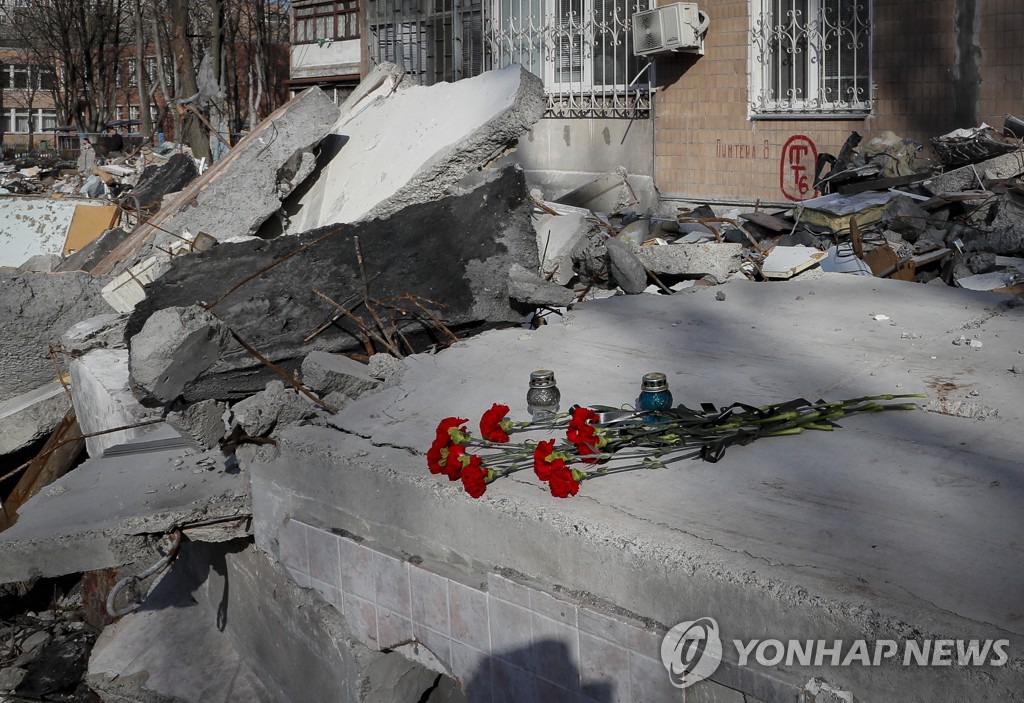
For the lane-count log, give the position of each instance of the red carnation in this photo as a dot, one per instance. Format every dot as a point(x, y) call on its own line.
point(541, 465)
point(583, 416)
point(563, 484)
point(588, 454)
point(490, 424)
point(453, 462)
point(580, 430)
point(434, 457)
point(474, 477)
point(547, 470)
point(582, 434)
point(447, 424)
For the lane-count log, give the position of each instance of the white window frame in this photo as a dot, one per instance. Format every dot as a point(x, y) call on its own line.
point(801, 30)
point(41, 116)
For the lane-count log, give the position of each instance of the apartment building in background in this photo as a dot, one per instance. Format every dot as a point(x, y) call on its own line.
point(740, 115)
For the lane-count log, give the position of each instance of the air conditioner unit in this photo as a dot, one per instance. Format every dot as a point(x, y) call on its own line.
point(676, 27)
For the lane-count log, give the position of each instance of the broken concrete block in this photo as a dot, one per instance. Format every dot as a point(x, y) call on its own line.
point(35, 309)
point(529, 288)
point(716, 260)
point(392, 677)
point(170, 177)
point(609, 194)
point(966, 178)
point(980, 263)
point(248, 175)
point(557, 236)
point(626, 267)
point(325, 373)
point(202, 422)
point(413, 145)
point(42, 263)
point(103, 400)
point(1004, 242)
point(902, 214)
point(387, 368)
point(29, 417)
point(1009, 211)
point(473, 239)
point(11, 676)
point(172, 350)
point(128, 288)
point(275, 406)
point(590, 257)
point(102, 331)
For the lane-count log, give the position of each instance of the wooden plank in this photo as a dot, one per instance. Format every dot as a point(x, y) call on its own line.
point(858, 246)
point(45, 468)
point(930, 256)
point(769, 222)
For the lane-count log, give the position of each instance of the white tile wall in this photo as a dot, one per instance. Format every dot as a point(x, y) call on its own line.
point(512, 642)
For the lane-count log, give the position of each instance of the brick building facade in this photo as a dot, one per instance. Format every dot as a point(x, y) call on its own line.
point(934, 66)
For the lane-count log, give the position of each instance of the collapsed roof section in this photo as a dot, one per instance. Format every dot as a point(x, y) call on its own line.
point(408, 146)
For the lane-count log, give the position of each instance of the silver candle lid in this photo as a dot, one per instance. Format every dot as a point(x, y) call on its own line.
point(654, 382)
point(542, 378)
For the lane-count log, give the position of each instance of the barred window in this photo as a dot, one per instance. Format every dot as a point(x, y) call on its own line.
point(810, 57)
point(581, 49)
point(325, 20)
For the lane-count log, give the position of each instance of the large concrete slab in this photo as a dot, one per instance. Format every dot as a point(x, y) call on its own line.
point(472, 239)
point(899, 525)
point(240, 192)
point(413, 145)
point(101, 514)
point(35, 310)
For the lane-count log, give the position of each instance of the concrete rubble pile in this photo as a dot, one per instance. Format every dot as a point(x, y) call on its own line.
point(147, 375)
point(886, 211)
point(264, 293)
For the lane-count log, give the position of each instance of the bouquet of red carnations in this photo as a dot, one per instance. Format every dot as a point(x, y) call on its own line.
point(647, 439)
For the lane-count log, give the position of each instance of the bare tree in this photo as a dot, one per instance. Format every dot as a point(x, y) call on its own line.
point(142, 72)
point(193, 132)
point(84, 39)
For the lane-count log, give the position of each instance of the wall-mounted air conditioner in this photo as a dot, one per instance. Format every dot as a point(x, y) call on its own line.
point(676, 27)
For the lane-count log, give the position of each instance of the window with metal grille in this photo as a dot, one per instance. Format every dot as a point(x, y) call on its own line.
point(810, 57)
point(320, 21)
point(581, 49)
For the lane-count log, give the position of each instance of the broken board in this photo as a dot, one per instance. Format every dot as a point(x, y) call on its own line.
point(88, 223)
point(786, 262)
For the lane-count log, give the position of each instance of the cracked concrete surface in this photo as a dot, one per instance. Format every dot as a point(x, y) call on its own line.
point(897, 525)
point(100, 515)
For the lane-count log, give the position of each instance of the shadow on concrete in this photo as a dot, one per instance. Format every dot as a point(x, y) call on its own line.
point(873, 506)
point(528, 675)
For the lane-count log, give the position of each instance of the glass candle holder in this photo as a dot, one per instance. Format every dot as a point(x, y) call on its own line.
point(654, 395)
point(543, 397)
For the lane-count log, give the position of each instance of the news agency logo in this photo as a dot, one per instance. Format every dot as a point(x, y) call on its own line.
point(692, 651)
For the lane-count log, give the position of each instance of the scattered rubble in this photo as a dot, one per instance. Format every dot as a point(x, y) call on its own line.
point(174, 322)
point(474, 238)
point(173, 349)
